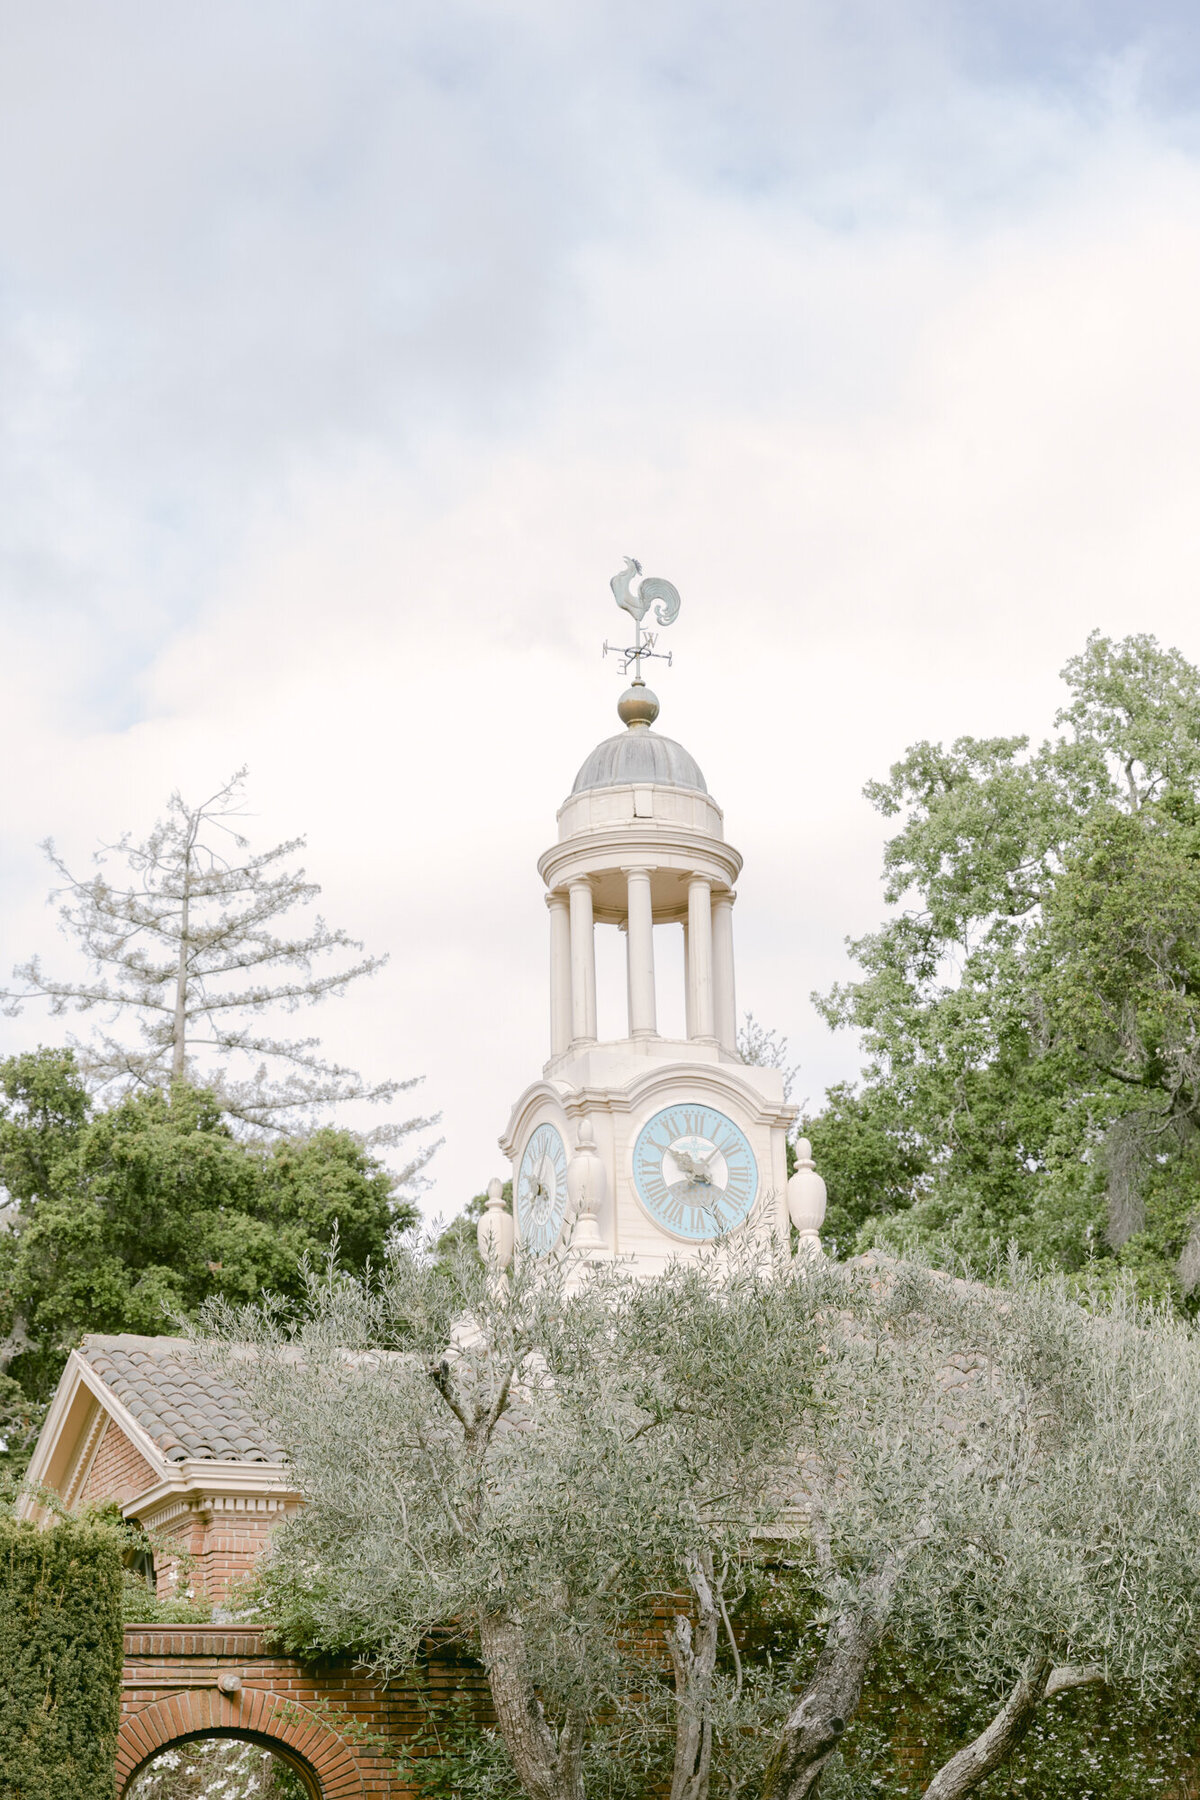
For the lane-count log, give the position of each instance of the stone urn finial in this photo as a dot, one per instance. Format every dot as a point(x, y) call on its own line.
point(806, 1200)
point(496, 1229)
point(587, 1189)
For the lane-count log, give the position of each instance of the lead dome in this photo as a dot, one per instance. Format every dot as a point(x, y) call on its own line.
point(637, 756)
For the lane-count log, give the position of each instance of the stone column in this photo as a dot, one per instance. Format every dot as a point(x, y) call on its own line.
point(687, 984)
point(699, 958)
point(724, 991)
point(560, 973)
point(640, 951)
point(583, 964)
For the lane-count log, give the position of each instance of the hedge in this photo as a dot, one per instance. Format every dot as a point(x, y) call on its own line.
point(61, 1648)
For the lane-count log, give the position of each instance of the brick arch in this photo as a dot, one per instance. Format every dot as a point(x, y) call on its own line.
point(254, 1714)
point(282, 1755)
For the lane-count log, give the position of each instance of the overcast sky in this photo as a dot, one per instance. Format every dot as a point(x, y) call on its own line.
point(346, 350)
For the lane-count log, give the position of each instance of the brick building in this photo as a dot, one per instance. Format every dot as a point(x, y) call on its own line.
point(143, 1423)
point(140, 1421)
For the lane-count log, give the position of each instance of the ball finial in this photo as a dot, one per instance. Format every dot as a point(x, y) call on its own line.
point(638, 706)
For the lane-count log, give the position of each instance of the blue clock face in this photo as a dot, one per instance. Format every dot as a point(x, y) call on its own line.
point(694, 1172)
point(541, 1191)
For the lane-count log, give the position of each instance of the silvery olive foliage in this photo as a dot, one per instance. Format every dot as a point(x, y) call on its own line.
point(543, 1467)
point(581, 1473)
point(1060, 1503)
point(182, 948)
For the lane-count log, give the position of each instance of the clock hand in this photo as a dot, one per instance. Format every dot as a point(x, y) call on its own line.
point(697, 1170)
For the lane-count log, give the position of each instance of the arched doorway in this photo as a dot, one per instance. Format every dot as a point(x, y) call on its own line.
point(238, 1766)
point(293, 1733)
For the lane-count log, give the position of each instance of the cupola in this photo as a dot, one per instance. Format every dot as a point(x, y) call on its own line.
point(644, 1146)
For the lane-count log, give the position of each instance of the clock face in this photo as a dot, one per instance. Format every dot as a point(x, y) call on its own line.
point(694, 1172)
point(541, 1191)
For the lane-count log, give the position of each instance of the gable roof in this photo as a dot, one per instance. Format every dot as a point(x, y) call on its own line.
point(187, 1408)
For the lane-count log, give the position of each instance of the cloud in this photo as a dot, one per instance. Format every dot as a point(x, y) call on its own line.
point(348, 353)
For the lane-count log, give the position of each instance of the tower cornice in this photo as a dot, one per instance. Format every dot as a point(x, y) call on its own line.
point(672, 855)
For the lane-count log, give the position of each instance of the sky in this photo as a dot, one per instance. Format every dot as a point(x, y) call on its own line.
point(347, 350)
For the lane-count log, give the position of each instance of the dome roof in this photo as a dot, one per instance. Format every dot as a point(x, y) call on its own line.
point(639, 757)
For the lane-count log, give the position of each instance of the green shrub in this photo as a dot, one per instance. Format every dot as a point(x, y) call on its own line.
point(61, 1647)
point(140, 1605)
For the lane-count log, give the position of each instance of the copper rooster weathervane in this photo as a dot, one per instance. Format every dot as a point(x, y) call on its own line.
point(651, 590)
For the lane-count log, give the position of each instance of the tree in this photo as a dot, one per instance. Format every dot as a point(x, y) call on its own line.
point(584, 1483)
point(186, 950)
point(552, 1471)
point(461, 1236)
point(1092, 1578)
point(767, 1049)
point(217, 1766)
point(1031, 1020)
point(123, 1218)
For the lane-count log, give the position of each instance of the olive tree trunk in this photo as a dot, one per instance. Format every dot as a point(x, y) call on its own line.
point(548, 1766)
point(815, 1725)
point(998, 1739)
point(694, 1655)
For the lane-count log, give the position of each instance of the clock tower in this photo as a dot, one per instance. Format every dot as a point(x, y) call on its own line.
point(646, 1147)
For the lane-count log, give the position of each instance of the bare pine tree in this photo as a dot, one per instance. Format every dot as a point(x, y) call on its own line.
point(184, 950)
point(765, 1049)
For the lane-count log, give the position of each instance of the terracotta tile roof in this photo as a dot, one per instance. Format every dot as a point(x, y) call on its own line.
point(189, 1409)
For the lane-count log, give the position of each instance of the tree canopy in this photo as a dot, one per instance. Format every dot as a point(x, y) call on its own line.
point(1030, 1012)
point(123, 1218)
point(585, 1478)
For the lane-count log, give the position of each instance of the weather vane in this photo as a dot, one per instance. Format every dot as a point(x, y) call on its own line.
point(650, 589)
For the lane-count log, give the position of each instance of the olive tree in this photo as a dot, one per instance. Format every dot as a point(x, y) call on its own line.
point(577, 1471)
point(1091, 1572)
point(1066, 1550)
point(568, 1468)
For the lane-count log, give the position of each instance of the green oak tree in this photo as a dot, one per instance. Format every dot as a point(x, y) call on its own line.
point(123, 1218)
point(1030, 1011)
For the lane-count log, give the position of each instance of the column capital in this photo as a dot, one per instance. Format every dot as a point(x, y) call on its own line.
point(554, 898)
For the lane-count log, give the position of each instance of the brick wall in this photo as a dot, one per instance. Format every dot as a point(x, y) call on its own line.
point(346, 1727)
point(234, 1539)
point(119, 1471)
point(221, 1539)
point(218, 1539)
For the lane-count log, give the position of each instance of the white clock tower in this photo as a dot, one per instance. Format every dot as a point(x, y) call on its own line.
point(646, 1147)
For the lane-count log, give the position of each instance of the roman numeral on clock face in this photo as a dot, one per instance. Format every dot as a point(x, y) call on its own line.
point(541, 1191)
